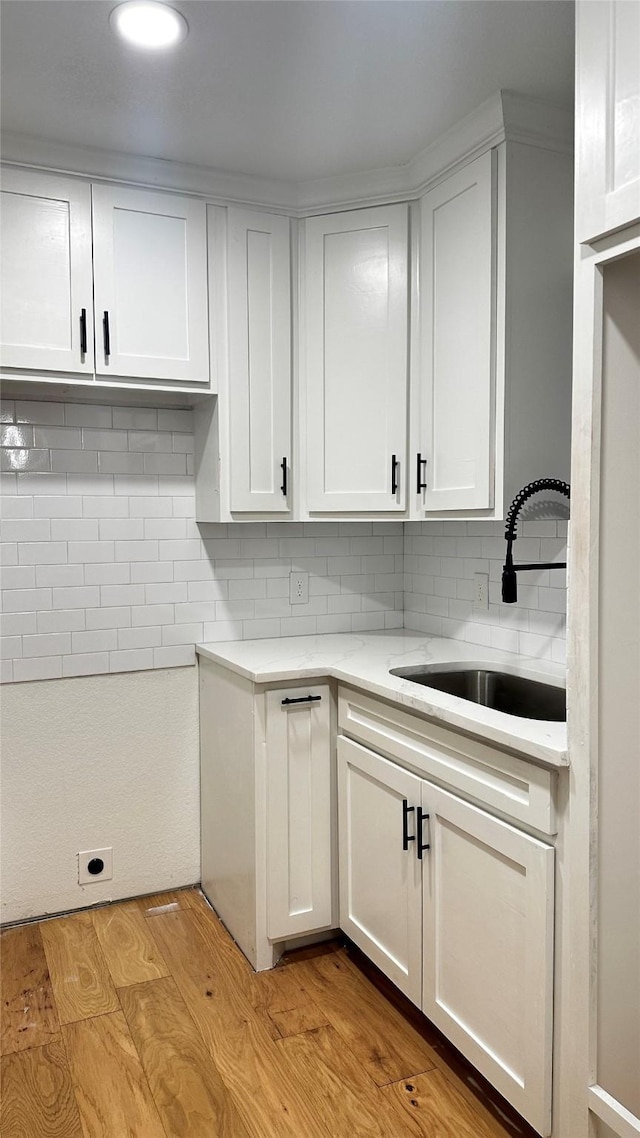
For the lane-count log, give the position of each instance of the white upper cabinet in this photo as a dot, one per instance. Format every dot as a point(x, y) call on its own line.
point(457, 286)
point(259, 389)
point(150, 266)
point(608, 116)
point(46, 276)
point(355, 333)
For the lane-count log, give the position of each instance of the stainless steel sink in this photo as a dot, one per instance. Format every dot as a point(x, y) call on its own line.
point(516, 695)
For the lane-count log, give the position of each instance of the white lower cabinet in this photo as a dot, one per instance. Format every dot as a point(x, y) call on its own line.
point(267, 794)
point(380, 881)
point(298, 772)
point(456, 907)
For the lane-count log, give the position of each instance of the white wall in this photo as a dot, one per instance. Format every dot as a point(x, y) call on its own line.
point(94, 762)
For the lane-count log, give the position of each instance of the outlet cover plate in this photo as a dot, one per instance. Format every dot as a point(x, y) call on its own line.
point(298, 588)
point(481, 592)
point(85, 856)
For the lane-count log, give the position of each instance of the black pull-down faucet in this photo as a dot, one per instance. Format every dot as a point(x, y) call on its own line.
point(509, 580)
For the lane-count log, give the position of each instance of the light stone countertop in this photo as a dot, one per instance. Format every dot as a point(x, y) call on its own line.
point(363, 660)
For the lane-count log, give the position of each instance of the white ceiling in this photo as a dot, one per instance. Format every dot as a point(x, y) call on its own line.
point(287, 89)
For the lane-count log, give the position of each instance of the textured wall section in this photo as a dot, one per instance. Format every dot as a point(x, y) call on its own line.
point(93, 762)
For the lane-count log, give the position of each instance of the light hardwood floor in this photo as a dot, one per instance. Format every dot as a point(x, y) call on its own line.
point(144, 1020)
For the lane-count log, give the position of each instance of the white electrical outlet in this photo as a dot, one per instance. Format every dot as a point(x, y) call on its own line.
point(89, 862)
point(481, 592)
point(298, 588)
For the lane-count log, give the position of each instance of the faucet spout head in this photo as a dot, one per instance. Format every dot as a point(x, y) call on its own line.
point(509, 585)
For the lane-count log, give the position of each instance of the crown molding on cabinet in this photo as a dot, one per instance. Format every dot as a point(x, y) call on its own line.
point(504, 116)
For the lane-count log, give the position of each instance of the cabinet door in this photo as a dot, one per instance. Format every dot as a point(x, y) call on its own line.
point(298, 758)
point(608, 116)
point(457, 290)
point(380, 890)
point(259, 276)
point(355, 329)
point(46, 273)
point(488, 948)
point(150, 263)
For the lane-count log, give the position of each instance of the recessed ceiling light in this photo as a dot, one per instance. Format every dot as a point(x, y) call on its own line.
point(148, 24)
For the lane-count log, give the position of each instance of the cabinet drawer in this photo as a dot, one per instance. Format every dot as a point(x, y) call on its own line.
point(493, 778)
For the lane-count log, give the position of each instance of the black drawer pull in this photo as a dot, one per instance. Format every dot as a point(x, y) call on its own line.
point(406, 836)
point(83, 332)
point(421, 464)
point(303, 699)
point(106, 335)
point(420, 818)
point(283, 467)
point(394, 474)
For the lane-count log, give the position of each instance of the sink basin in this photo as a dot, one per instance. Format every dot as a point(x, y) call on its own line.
point(516, 695)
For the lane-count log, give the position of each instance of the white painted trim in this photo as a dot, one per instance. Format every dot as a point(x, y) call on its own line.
point(613, 1114)
point(505, 115)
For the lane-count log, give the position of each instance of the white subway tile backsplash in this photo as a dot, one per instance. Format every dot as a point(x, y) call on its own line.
point(42, 668)
point(46, 644)
point(84, 597)
point(59, 576)
point(108, 573)
point(61, 620)
point(135, 418)
point(74, 461)
point(74, 529)
point(108, 618)
point(29, 411)
point(107, 569)
point(85, 664)
point(175, 420)
point(42, 553)
point(120, 462)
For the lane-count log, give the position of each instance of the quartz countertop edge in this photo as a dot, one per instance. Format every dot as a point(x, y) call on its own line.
point(363, 660)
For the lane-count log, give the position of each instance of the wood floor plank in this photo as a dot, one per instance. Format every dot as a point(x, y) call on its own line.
point(189, 1093)
point(37, 1095)
point(341, 1090)
point(170, 902)
point(129, 949)
point(259, 1078)
point(265, 991)
point(29, 1016)
point(293, 1021)
point(81, 981)
point(111, 1088)
point(439, 1108)
point(387, 1046)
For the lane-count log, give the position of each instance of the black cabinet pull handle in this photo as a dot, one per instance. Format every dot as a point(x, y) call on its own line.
point(406, 836)
point(283, 467)
point(83, 332)
point(394, 474)
point(420, 818)
point(303, 699)
point(421, 464)
point(106, 336)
